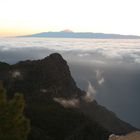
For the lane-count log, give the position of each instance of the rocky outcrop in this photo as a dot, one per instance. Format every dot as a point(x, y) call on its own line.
point(49, 76)
point(131, 136)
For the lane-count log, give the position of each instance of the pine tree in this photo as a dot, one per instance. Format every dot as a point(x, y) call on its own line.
point(13, 124)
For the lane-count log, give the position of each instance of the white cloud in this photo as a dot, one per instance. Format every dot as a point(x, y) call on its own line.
point(67, 103)
point(16, 74)
point(99, 77)
point(90, 94)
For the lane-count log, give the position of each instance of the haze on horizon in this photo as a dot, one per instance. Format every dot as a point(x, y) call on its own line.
point(29, 16)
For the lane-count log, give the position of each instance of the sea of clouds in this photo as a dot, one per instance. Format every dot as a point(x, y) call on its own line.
point(94, 50)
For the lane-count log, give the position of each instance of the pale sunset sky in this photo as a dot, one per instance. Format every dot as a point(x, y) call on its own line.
point(20, 17)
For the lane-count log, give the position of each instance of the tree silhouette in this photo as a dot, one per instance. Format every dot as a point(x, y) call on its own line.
point(13, 124)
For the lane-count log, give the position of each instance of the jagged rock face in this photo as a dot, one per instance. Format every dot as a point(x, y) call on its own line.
point(50, 76)
point(43, 80)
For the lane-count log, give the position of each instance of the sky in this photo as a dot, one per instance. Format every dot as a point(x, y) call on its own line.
point(21, 17)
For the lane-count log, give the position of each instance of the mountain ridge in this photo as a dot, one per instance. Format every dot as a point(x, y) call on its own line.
point(48, 87)
point(70, 34)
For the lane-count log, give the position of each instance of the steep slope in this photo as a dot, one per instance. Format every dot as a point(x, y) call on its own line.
point(49, 120)
point(55, 105)
point(107, 119)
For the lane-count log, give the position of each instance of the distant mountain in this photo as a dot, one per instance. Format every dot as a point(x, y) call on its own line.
point(70, 34)
point(57, 108)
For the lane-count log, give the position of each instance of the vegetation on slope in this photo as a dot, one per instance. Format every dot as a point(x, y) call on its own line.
point(13, 124)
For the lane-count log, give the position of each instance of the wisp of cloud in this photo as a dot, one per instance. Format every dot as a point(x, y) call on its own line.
point(67, 103)
point(90, 94)
point(99, 77)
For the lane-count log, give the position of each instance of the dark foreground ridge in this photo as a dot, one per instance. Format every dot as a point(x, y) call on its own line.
point(56, 107)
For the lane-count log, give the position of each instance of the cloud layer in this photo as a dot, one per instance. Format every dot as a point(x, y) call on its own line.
point(93, 51)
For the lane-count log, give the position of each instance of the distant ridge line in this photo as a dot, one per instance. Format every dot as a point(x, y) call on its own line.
point(70, 34)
